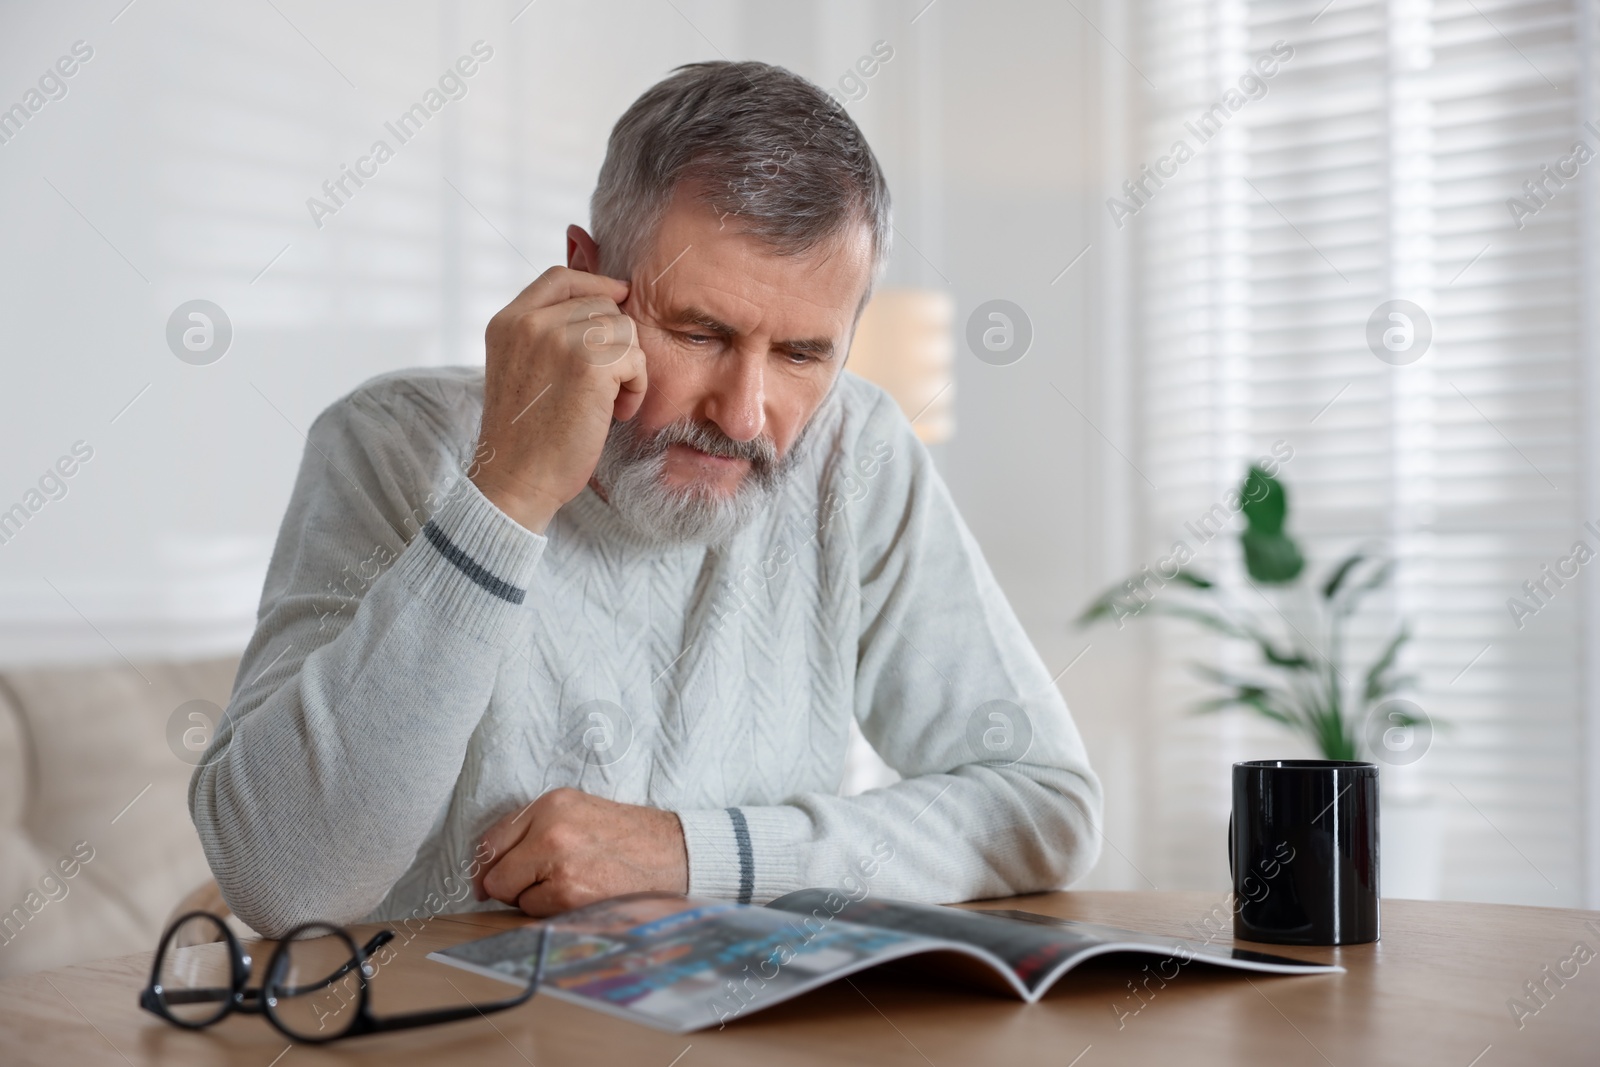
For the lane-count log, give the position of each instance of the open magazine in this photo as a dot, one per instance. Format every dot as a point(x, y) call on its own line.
point(680, 964)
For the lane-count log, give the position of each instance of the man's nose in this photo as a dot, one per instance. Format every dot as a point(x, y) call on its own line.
point(738, 399)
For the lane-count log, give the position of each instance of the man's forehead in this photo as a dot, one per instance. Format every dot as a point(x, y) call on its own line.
point(704, 271)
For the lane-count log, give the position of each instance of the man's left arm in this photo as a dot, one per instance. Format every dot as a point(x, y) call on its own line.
point(997, 798)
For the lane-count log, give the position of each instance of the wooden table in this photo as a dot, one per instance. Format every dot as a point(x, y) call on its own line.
point(1433, 991)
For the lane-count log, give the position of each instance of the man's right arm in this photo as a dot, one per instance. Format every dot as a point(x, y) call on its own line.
point(371, 665)
point(354, 703)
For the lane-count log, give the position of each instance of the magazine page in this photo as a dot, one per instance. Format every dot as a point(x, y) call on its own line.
point(1038, 948)
point(1031, 951)
point(1235, 958)
point(679, 963)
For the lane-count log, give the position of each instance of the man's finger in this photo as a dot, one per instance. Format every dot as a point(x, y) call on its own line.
point(585, 307)
point(519, 869)
point(601, 335)
point(502, 838)
point(630, 398)
point(542, 899)
point(563, 283)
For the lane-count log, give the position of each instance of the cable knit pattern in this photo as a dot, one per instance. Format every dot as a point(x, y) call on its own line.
point(423, 665)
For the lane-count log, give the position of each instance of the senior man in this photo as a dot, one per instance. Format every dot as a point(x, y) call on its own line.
point(597, 618)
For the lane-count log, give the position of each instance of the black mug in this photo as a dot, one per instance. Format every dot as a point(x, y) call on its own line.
point(1303, 852)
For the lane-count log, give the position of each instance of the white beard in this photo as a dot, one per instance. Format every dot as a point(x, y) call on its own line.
point(630, 471)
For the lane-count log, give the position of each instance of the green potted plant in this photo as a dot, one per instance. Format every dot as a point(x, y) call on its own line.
point(1303, 681)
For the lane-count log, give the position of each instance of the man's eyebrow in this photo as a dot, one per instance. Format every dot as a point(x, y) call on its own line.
point(695, 316)
point(820, 346)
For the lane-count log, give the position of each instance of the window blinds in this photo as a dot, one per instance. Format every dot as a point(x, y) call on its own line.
point(1376, 163)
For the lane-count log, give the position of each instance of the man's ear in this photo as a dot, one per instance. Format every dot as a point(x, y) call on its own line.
point(582, 253)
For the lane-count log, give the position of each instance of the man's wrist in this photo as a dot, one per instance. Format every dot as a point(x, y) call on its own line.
point(523, 504)
point(672, 831)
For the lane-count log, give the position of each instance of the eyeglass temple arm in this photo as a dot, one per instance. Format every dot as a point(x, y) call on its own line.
point(447, 1015)
point(195, 996)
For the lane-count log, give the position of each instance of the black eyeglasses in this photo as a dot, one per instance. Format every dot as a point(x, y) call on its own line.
point(315, 989)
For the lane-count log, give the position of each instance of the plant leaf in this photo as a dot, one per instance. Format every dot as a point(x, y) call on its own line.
point(1354, 595)
point(1269, 650)
point(1233, 681)
point(1336, 742)
point(1270, 555)
point(1217, 623)
point(1104, 605)
point(1195, 613)
point(1271, 558)
point(1376, 684)
point(1191, 578)
point(1265, 503)
point(1254, 702)
point(1330, 588)
point(1096, 611)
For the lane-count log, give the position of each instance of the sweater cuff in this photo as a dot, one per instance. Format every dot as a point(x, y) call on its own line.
point(751, 855)
point(472, 561)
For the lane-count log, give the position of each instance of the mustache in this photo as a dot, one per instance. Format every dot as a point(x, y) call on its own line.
point(760, 452)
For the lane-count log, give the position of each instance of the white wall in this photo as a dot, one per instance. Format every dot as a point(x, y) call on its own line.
point(1037, 461)
point(190, 144)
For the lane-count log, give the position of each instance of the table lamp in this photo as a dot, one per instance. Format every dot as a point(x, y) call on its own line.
point(905, 344)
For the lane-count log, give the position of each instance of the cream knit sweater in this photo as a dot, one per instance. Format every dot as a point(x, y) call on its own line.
point(423, 665)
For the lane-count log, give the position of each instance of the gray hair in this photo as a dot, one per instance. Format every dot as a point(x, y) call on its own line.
point(757, 142)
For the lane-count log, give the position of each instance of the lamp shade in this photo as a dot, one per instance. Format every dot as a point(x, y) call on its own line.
point(905, 344)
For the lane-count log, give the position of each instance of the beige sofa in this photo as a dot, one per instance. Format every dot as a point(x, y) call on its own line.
point(91, 860)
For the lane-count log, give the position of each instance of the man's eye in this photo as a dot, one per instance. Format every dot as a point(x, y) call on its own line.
point(800, 359)
point(699, 340)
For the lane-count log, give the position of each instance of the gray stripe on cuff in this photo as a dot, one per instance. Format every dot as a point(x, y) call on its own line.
point(747, 856)
point(470, 567)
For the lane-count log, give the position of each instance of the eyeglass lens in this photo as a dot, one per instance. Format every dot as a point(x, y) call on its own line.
point(196, 971)
point(314, 987)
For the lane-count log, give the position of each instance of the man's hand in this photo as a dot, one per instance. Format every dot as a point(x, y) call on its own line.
point(568, 849)
point(563, 361)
